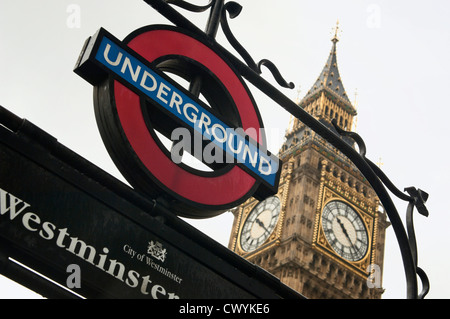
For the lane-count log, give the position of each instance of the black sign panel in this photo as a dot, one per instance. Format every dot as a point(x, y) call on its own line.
point(53, 215)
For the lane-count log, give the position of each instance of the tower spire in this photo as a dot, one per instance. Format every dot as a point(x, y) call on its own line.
point(329, 80)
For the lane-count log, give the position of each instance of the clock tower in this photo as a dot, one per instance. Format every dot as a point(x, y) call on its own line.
point(323, 233)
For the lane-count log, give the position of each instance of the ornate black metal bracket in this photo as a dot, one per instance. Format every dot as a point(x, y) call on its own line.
point(378, 180)
point(219, 15)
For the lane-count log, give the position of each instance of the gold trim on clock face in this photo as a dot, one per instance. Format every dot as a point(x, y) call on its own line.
point(345, 230)
point(260, 224)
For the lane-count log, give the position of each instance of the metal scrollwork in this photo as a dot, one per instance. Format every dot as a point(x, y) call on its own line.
point(276, 74)
point(189, 6)
point(233, 9)
point(418, 199)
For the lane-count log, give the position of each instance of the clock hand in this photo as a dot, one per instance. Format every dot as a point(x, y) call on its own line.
point(345, 232)
point(342, 227)
point(260, 223)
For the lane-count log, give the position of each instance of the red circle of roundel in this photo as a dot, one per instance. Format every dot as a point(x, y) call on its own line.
point(221, 190)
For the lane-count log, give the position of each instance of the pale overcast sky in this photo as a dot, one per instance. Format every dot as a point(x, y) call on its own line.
point(394, 54)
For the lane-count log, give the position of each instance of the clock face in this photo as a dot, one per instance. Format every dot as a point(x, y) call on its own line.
point(345, 231)
point(260, 223)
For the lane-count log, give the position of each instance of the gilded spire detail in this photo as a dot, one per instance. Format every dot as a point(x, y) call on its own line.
point(336, 30)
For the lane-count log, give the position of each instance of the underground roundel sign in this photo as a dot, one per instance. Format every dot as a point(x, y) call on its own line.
point(177, 120)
